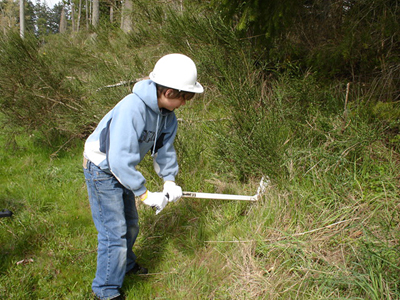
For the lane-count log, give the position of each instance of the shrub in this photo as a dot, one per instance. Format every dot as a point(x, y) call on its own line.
point(35, 94)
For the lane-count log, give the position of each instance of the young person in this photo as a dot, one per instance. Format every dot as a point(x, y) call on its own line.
point(141, 122)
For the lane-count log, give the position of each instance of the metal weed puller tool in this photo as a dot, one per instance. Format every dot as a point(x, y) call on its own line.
point(261, 190)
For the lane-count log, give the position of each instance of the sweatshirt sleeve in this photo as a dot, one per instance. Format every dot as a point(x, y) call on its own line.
point(123, 154)
point(166, 154)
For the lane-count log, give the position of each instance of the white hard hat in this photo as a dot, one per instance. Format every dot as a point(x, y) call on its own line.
point(176, 71)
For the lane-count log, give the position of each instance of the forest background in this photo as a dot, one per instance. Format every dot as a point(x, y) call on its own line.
point(305, 92)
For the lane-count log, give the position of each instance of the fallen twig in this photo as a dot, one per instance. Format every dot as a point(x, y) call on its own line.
point(159, 273)
point(62, 146)
point(286, 237)
point(198, 121)
point(59, 102)
point(121, 83)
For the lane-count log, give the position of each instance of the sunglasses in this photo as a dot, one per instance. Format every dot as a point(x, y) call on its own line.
point(183, 95)
point(187, 95)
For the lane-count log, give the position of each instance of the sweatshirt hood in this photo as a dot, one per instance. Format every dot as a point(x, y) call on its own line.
point(146, 90)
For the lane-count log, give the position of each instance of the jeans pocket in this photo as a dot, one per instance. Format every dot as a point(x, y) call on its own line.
point(106, 182)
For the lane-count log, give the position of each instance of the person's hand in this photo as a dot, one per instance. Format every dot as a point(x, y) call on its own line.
point(157, 200)
point(172, 191)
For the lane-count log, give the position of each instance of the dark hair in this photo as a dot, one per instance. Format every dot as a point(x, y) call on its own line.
point(161, 90)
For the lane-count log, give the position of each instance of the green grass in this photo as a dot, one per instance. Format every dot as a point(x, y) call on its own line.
point(326, 228)
point(304, 241)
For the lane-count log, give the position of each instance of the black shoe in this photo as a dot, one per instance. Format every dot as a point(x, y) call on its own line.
point(119, 297)
point(138, 270)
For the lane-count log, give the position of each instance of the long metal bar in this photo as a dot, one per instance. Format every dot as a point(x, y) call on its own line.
point(218, 196)
point(261, 189)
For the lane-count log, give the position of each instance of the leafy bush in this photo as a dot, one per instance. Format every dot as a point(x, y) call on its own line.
point(35, 93)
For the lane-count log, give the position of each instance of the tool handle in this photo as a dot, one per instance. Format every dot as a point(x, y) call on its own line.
point(218, 196)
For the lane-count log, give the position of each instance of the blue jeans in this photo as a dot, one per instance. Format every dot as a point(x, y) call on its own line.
point(116, 219)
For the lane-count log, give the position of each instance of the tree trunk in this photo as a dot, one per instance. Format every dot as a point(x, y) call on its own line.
point(79, 15)
point(63, 21)
point(126, 16)
point(73, 16)
point(87, 14)
point(96, 13)
point(22, 18)
point(112, 13)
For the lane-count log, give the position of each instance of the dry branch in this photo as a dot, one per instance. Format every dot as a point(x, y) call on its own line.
point(121, 83)
point(286, 237)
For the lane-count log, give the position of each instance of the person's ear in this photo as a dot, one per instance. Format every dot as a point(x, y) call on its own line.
point(168, 93)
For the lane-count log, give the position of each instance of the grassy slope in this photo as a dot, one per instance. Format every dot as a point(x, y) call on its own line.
point(305, 241)
point(327, 228)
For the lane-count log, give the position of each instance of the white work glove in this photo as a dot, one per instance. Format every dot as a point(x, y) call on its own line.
point(172, 191)
point(157, 200)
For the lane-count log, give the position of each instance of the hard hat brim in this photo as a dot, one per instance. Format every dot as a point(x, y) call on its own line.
point(196, 88)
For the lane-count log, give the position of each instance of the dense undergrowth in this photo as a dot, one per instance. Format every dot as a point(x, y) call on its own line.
point(326, 228)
